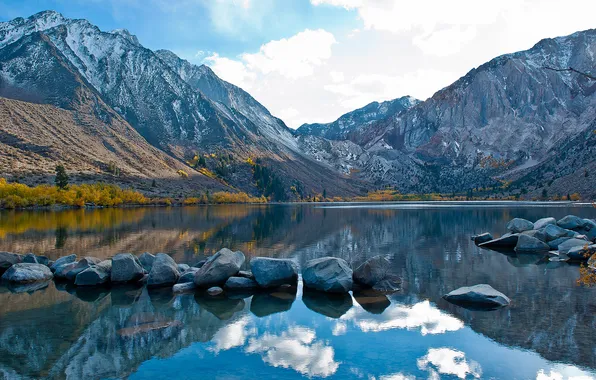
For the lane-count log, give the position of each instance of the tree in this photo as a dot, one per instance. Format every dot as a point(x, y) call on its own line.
point(544, 194)
point(202, 162)
point(324, 193)
point(61, 177)
point(153, 184)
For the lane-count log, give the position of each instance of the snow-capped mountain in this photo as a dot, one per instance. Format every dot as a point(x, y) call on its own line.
point(178, 107)
point(341, 128)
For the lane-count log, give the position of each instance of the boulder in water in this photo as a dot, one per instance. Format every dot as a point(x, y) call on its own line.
point(63, 260)
point(8, 259)
point(566, 246)
point(571, 222)
point(507, 241)
point(482, 238)
point(328, 274)
point(219, 267)
point(240, 284)
point(126, 268)
point(188, 276)
point(582, 253)
point(85, 263)
point(164, 271)
point(146, 259)
point(529, 244)
point(376, 273)
point(270, 272)
point(540, 223)
point(480, 296)
point(214, 291)
point(554, 232)
point(518, 225)
point(24, 273)
point(95, 275)
point(184, 287)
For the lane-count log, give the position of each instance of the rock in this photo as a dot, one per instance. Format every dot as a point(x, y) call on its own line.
point(43, 260)
point(592, 262)
point(508, 241)
point(85, 263)
point(95, 275)
point(589, 229)
point(30, 258)
point(518, 225)
point(482, 238)
point(8, 259)
point(529, 244)
point(270, 272)
point(188, 276)
point(60, 271)
point(214, 291)
point(328, 274)
point(126, 268)
point(332, 305)
point(372, 301)
point(544, 222)
point(553, 232)
point(375, 273)
point(146, 259)
point(240, 283)
point(184, 287)
point(567, 245)
point(183, 268)
point(24, 273)
point(219, 267)
point(571, 222)
point(199, 264)
point(246, 274)
point(538, 234)
point(63, 260)
point(554, 244)
point(388, 285)
point(29, 287)
point(164, 271)
point(582, 253)
point(481, 296)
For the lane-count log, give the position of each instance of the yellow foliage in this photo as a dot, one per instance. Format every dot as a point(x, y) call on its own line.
point(182, 173)
point(225, 197)
point(16, 195)
point(250, 161)
point(575, 197)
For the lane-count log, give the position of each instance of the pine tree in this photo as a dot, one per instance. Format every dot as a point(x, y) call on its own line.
point(61, 177)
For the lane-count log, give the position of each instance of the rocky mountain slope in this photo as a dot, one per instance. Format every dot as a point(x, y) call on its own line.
point(179, 108)
point(503, 118)
point(341, 128)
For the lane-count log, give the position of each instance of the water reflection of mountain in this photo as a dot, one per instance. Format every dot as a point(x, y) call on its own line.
point(429, 248)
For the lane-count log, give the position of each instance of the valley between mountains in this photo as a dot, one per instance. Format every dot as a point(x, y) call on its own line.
point(521, 125)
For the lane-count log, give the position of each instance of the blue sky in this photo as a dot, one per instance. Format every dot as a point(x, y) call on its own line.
point(314, 60)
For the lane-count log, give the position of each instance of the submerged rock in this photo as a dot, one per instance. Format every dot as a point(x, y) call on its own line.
point(328, 274)
point(126, 268)
point(544, 222)
point(164, 271)
point(518, 225)
point(221, 266)
point(146, 259)
point(27, 272)
point(240, 284)
point(571, 222)
point(270, 272)
point(477, 296)
point(95, 275)
point(8, 259)
point(529, 244)
point(482, 238)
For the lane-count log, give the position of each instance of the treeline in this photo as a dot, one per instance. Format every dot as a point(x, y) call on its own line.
point(222, 197)
point(268, 182)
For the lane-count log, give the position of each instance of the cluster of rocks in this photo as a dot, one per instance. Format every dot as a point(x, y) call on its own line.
point(568, 239)
point(221, 272)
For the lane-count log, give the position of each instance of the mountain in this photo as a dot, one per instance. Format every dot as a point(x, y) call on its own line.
point(501, 119)
point(181, 109)
point(357, 119)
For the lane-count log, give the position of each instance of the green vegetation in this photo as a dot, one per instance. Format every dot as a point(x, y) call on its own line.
point(61, 177)
point(268, 182)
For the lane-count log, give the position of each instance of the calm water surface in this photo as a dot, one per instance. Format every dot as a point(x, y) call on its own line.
point(64, 332)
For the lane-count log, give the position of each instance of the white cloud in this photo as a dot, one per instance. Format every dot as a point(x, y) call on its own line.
point(447, 361)
point(339, 328)
point(231, 70)
point(336, 76)
point(563, 372)
point(397, 376)
point(296, 348)
point(294, 57)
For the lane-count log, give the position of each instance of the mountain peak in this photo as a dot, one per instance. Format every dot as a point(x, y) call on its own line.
point(128, 35)
point(47, 19)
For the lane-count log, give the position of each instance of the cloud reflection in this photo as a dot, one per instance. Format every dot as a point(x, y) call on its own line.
point(447, 361)
point(232, 335)
point(422, 315)
point(563, 372)
point(298, 349)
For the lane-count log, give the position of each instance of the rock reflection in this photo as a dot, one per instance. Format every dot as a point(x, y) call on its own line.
point(446, 361)
point(126, 295)
point(298, 349)
point(27, 288)
point(372, 301)
point(422, 315)
point(267, 303)
point(220, 306)
point(327, 304)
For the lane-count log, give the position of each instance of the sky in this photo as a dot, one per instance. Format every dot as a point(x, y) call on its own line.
point(314, 60)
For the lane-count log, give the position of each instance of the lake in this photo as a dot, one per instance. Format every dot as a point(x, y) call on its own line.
point(73, 333)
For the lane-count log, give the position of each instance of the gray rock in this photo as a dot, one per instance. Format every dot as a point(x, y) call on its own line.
point(482, 238)
point(508, 241)
point(183, 267)
point(518, 225)
point(240, 283)
point(8, 259)
point(246, 273)
point(582, 253)
point(30, 258)
point(164, 271)
point(83, 264)
point(184, 287)
point(219, 267)
point(214, 291)
point(481, 296)
point(199, 264)
point(388, 285)
point(62, 270)
point(95, 275)
point(529, 244)
point(592, 262)
point(270, 272)
point(538, 234)
point(146, 259)
point(126, 268)
point(589, 229)
point(553, 232)
point(188, 276)
point(554, 244)
point(567, 245)
point(63, 260)
point(544, 222)
point(43, 260)
point(328, 274)
point(571, 222)
point(376, 273)
point(24, 273)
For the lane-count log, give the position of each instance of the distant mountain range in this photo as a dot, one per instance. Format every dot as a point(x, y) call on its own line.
point(510, 124)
